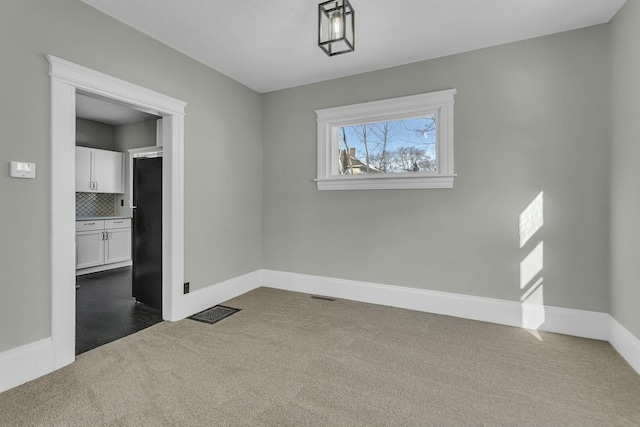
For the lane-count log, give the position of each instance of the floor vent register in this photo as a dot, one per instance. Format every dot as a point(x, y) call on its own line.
point(214, 314)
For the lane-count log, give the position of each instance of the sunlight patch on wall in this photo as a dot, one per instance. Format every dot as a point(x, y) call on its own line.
point(530, 295)
point(532, 265)
point(532, 219)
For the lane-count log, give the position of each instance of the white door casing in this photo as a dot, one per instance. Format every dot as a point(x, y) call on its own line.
point(66, 79)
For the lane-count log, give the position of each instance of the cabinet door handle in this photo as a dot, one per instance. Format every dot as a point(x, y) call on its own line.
point(96, 185)
point(103, 235)
point(107, 233)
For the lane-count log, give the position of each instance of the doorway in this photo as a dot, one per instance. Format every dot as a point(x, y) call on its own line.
point(66, 79)
point(107, 306)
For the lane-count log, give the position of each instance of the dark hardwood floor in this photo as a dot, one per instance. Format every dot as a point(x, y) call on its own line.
point(106, 311)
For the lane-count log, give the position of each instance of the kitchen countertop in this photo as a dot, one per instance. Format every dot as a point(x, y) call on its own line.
point(97, 218)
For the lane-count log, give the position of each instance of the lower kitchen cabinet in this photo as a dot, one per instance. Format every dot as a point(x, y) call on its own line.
point(117, 245)
point(102, 243)
point(89, 249)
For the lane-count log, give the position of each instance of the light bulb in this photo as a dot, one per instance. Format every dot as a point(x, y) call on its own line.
point(336, 25)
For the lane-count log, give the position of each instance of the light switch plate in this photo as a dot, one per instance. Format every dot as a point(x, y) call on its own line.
point(23, 170)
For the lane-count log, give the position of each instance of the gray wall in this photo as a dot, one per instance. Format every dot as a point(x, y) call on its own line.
point(530, 116)
point(129, 136)
point(135, 135)
point(223, 122)
point(625, 170)
point(94, 134)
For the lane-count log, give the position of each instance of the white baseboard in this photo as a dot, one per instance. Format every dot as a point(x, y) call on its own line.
point(579, 323)
point(468, 307)
point(625, 343)
point(195, 302)
point(30, 361)
point(25, 363)
point(104, 267)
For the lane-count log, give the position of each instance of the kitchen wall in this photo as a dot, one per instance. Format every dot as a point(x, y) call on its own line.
point(223, 122)
point(531, 118)
point(94, 134)
point(127, 137)
point(625, 172)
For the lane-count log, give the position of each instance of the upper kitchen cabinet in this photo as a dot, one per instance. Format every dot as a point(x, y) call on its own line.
point(99, 171)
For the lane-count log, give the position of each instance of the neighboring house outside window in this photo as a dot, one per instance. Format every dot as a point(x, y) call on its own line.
point(391, 144)
point(350, 165)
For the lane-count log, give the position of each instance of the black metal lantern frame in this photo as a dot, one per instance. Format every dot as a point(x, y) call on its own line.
point(336, 27)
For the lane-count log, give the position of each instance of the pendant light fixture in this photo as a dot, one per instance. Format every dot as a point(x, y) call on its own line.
point(336, 27)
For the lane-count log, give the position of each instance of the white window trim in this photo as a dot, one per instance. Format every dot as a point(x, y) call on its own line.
point(330, 120)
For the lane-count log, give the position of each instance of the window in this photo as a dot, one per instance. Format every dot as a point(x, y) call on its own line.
point(395, 143)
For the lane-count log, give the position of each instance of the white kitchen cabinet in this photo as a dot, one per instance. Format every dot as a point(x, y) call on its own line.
point(102, 244)
point(117, 245)
point(84, 179)
point(89, 249)
point(99, 171)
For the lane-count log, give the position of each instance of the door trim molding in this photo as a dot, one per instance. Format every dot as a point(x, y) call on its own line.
point(66, 79)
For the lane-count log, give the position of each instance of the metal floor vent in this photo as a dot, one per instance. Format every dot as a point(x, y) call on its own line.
point(322, 298)
point(214, 314)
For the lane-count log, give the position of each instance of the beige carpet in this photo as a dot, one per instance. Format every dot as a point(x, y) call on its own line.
point(287, 359)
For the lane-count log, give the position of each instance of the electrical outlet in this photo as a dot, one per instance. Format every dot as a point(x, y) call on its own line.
point(186, 287)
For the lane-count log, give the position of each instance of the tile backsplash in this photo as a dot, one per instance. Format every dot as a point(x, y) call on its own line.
point(95, 204)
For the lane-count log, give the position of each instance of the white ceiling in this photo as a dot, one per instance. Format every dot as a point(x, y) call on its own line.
point(98, 109)
point(270, 45)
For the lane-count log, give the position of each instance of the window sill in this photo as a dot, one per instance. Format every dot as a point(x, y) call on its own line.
point(386, 182)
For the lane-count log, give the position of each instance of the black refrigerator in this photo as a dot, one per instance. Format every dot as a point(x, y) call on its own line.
point(147, 231)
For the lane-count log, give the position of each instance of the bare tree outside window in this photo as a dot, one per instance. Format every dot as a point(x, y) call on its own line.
point(397, 143)
point(399, 146)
